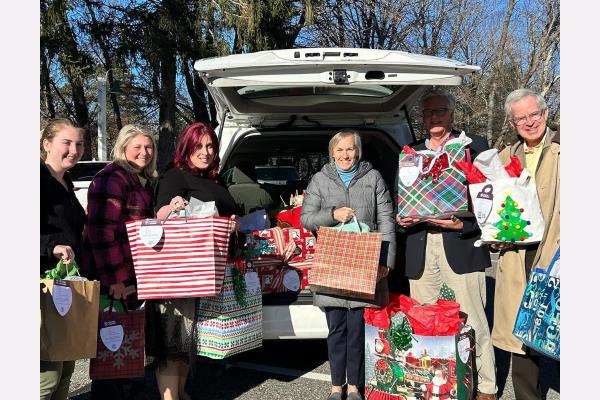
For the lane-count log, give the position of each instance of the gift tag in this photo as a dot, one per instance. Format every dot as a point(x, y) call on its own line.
point(482, 205)
point(291, 280)
point(112, 334)
point(252, 282)
point(62, 297)
point(463, 349)
point(410, 168)
point(151, 232)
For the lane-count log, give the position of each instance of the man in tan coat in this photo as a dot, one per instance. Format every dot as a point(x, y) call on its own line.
point(538, 148)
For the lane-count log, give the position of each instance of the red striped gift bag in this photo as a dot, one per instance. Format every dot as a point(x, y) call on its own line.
point(187, 261)
point(346, 263)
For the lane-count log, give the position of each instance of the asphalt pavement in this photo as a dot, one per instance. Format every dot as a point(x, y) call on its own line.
point(289, 370)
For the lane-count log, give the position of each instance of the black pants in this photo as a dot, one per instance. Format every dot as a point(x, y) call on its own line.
point(346, 345)
point(525, 375)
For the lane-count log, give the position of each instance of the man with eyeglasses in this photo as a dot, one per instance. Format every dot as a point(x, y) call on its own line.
point(538, 148)
point(442, 250)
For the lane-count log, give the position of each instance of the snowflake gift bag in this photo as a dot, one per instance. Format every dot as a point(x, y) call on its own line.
point(504, 199)
point(120, 345)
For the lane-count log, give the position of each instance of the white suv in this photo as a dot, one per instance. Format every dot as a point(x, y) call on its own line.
point(281, 107)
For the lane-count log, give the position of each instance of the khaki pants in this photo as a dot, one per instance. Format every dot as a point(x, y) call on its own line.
point(470, 294)
point(55, 377)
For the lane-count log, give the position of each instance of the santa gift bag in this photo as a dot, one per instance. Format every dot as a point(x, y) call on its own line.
point(429, 185)
point(508, 210)
point(120, 344)
point(69, 319)
point(179, 257)
point(346, 263)
point(427, 360)
point(231, 322)
point(538, 320)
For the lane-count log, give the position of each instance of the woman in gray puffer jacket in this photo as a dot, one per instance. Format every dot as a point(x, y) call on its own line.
point(348, 187)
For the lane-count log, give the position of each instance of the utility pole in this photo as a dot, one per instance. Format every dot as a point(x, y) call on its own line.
point(102, 118)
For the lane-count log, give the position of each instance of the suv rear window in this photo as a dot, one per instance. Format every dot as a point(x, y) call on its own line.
point(85, 171)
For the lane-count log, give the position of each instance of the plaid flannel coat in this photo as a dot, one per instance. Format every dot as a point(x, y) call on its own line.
point(369, 196)
point(114, 197)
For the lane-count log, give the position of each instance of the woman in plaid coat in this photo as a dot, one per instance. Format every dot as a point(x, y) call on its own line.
point(348, 187)
point(120, 192)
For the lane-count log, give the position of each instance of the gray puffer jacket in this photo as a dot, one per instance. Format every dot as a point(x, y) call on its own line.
point(368, 195)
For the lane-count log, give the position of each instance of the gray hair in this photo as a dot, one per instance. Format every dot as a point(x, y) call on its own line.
point(519, 94)
point(126, 134)
point(344, 133)
point(436, 92)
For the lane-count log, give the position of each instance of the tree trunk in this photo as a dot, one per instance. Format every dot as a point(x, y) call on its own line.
point(191, 82)
point(45, 84)
point(166, 113)
point(491, 104)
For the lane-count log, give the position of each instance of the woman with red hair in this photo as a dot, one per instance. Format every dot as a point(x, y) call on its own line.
point(194, 172)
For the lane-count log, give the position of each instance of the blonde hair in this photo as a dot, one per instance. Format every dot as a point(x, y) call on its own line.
point(52, 129)
point(344, 133)
point(126, 134)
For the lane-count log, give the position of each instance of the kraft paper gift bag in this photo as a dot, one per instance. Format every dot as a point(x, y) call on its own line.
point(72, 335)
point(183, 257)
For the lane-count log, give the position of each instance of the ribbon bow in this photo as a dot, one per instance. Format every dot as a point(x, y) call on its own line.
point(435, 165)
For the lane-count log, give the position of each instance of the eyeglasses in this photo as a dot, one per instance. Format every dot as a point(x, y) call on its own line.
point(533, 117)
point(438, 112)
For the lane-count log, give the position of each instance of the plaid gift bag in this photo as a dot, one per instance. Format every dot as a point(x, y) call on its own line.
point(538, 320)
point(116, 360)
point(229, 324)
point(188, 260)
point(346, 263)
point(429, 184)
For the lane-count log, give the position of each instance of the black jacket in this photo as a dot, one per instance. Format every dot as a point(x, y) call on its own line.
point(462, 256)
point(61, 218)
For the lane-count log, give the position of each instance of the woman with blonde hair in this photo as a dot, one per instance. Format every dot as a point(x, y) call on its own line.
point(120, 192)
point(61, 226)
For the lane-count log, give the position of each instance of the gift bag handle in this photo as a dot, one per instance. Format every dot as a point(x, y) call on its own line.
point(110, 306)
point(355, 221)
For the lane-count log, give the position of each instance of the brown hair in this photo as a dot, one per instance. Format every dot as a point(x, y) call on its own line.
point(50, 131)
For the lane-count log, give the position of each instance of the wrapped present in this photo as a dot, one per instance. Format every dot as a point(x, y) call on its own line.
point(305, 243)
point(120, 344)
point(429, 184)
point(69, 319)
point(505, 200)
point(400, 364)
point(269, 244)
point(538, 319)
point(231, 322)
point(303, 268)
point(179, 257)
point(346, 263)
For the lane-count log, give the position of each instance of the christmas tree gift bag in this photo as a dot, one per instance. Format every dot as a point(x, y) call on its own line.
point(402, 364)
point(120, 344)
point(538, 320)
point(69, 319)
point(429, 185)
point(508, 210)
point(346, 263)
point(231, 322)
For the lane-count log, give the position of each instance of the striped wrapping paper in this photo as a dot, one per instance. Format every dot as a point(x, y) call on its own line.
point(427, 199)
point(224, 326)
point(188, 261)
point(346, 263)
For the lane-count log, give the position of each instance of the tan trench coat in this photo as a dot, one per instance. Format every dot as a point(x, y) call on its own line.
point(510, 273)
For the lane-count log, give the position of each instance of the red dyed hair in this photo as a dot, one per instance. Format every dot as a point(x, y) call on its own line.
point(188, 143)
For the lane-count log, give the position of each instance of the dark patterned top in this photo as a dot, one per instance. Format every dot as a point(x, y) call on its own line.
point(115, 196)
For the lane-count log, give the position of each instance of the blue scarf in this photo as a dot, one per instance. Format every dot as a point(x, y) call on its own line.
point(346, 176)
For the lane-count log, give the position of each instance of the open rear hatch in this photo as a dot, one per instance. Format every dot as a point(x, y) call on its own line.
point(320, 83)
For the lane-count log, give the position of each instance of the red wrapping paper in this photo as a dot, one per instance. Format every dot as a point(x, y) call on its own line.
point(439, 319)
